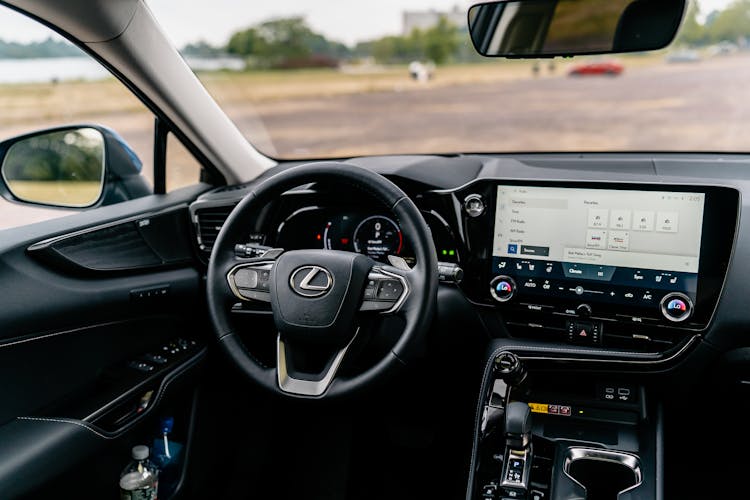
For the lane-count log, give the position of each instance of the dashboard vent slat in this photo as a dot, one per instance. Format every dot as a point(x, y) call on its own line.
point(209, 222)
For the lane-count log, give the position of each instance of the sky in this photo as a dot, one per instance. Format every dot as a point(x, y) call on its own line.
point(348, 21)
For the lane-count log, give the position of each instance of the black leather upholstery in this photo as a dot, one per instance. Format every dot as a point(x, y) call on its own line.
point(33, 451)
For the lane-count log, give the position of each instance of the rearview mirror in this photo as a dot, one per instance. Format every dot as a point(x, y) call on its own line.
point(546, 28)
point(63, 168)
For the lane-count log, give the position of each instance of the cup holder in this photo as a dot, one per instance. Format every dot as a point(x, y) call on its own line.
point(603, 473)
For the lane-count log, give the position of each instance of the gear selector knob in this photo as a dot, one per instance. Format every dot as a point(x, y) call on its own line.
point(518, 425)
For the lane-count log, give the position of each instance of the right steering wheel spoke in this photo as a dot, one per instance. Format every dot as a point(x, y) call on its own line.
point(385, 290)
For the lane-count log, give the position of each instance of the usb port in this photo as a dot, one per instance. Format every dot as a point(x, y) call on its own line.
point(622, 391)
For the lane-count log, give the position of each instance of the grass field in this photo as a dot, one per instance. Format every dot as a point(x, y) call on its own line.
point(70, 193)
point(46, 102)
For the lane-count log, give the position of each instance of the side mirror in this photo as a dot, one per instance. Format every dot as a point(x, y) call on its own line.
point(64, 168)
point(70, 167)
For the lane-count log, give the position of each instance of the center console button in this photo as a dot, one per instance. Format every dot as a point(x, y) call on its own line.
point(502, 288)
point(515, 463)
point(538, 307)
point(584, 332)
point(530, 283)
point(474, 205)
point(636, 319)
point(583, 310)
point(676, 307)
point(489, 491)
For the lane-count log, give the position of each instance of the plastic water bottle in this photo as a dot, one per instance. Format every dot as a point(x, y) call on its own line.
point(140, 479)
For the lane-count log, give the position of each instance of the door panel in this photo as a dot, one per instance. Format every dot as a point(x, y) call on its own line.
point(73, 343)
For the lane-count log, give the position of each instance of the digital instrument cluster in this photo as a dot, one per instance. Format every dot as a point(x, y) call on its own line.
point(346, 228)
point(376, 236)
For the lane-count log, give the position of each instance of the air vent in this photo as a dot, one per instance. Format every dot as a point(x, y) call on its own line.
point(208, 223)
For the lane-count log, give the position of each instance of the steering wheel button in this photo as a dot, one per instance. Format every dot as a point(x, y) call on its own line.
point(256, 295)
point(375, 305)
point(390, 290)
point(246, 278)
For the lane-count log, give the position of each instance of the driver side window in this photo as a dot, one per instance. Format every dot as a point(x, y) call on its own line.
point(51, 93)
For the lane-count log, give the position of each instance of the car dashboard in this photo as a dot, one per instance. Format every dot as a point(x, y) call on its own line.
point(549, 248)
point(616, 279)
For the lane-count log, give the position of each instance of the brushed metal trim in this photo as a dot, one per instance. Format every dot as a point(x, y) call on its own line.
point(312, 388)
point(618, 457)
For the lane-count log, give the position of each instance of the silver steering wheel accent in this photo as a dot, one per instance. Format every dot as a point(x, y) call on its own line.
point(292, 385)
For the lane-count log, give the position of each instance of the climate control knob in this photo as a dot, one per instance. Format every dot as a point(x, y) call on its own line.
point(676, 307)
point(502, 288)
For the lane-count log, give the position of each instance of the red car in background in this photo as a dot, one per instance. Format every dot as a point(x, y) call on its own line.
point(609, 68)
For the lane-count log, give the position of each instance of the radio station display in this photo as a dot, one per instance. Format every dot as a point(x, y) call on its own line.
point(611, 245)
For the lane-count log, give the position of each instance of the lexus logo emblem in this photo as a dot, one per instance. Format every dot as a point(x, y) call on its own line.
point(311, 281)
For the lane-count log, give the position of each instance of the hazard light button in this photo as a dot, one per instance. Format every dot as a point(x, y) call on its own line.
point(585, 332)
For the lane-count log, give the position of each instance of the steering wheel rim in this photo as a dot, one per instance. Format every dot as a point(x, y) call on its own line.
point(421, 281)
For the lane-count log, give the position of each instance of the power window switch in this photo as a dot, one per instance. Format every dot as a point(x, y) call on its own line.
point(141, 366)
point(156, 359)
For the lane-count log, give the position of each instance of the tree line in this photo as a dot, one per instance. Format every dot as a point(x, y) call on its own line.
point(45, 48)
point(730, 24)
point(290, 42)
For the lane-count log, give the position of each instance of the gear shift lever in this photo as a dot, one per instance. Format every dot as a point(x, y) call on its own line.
point(518, 452)
point(509, 373)
point(517, 426)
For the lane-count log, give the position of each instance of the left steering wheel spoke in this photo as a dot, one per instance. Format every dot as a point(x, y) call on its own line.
point(386, 290)
point(250, 280)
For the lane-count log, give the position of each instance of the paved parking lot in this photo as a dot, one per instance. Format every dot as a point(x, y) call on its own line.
point(666, 107)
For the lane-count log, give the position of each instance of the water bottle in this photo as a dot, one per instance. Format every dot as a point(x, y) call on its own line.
point(167, 455)
point(140, 479)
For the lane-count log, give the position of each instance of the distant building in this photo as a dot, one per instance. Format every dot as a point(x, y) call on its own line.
point(426, 19)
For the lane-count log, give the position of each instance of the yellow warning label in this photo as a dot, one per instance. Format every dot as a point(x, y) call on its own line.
point(539, 407)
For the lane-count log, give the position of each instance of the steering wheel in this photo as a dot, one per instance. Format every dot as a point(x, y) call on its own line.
point(321, 298)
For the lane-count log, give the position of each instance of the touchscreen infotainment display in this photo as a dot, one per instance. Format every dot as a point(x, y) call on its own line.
point(628, 238)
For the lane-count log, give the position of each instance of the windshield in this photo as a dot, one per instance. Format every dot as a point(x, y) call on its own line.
point(340, 78)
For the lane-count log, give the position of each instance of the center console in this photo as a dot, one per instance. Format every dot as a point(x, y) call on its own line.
point(542, 437)
point(629, 266)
